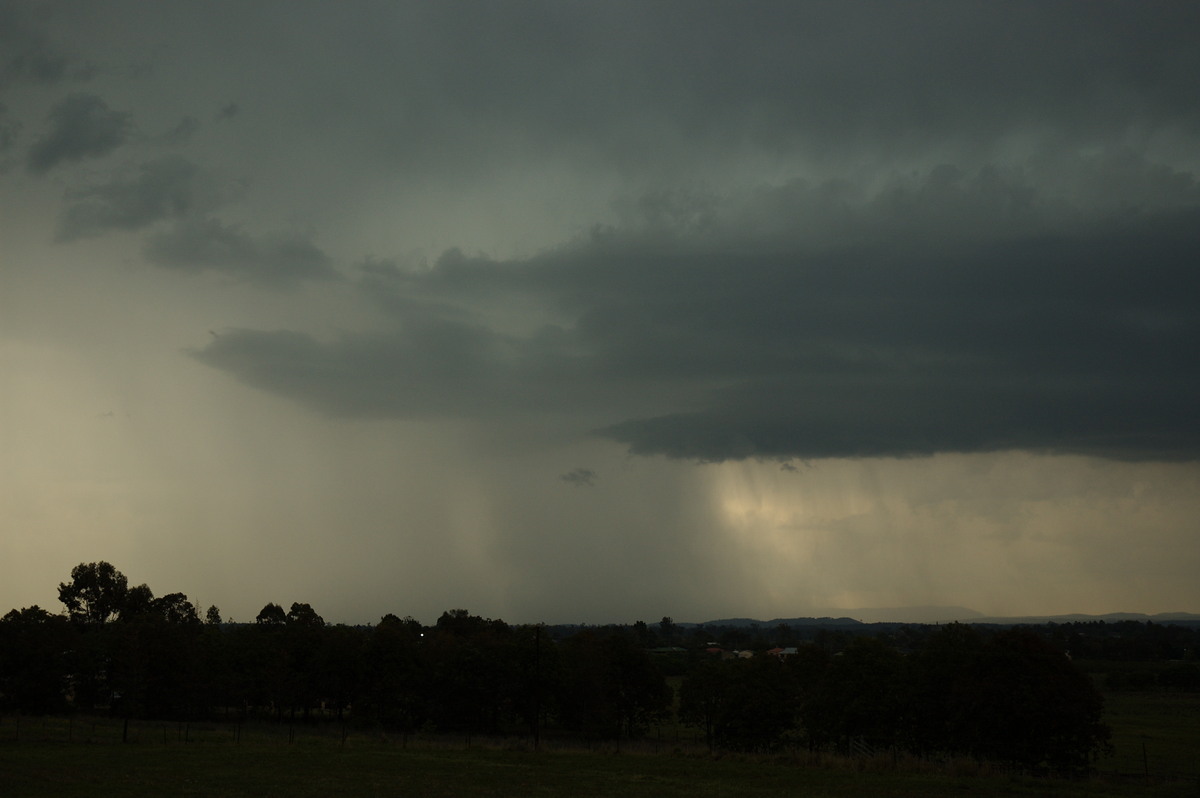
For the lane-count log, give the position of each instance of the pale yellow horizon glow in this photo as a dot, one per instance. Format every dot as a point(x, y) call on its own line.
point(1006, 534)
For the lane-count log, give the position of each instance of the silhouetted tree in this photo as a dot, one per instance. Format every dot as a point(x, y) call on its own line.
point(860, 697)
point(267, 670)
point(154, 661)
point(1010, 697)
point(610, 687)
point(340, 667)
point(138, 600)
point(34, 673)
point(1032, 706)
point(393, 692)
point(470, 669)
point(304, 635)
point(96, 593)
point(174, 608)
point(271, 615)
point(667, 631)
point(703, 696)
point(303, 615)
point(538, 674)
point(943, 675)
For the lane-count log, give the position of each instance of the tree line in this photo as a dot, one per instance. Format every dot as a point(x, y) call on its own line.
point(1007, 695)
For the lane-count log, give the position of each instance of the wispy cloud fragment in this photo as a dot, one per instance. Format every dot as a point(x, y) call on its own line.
point(580, 477)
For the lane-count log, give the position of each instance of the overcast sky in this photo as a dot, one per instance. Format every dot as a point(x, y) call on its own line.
point(597, 312)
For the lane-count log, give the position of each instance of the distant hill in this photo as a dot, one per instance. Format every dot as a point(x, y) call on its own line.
point(923, 614)
point(823, 617)
point(936, 614)
point(1111, 617)
point(926, 615)
point(748, 622)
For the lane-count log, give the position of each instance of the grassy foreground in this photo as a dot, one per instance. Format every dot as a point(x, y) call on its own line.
point(1158, 733)
point(38, 768)
point(1155, 734)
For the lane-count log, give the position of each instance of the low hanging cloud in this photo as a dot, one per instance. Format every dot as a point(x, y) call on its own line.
point(431, 366)
point(9, 129)
point(165, 188)
point(206, 244)
point(80, 126)
point(1037, 326)
point(26, 52)
point(889, 248)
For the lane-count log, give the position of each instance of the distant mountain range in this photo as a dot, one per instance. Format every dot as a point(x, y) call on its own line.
point(935, 614)
point(1161, 617)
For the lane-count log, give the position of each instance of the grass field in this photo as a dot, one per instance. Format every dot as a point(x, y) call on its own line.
point(85, 757)
point(1157, 733)
point(30, 770)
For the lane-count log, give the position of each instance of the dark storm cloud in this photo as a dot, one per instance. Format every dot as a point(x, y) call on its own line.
point(80, 126)
point(1009, 333)
point(436, 364)
point(207, 245)
point(165, 188)
point(26, 52)
point(1009, 260)
point(449, 89)
point(787, 230)
point(891, 76)
point(9, 128)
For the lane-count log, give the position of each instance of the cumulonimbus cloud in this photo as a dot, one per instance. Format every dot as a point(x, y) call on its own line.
point(1043, 334)
point(80, 126)
point(206, 244)
point(165, 188)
